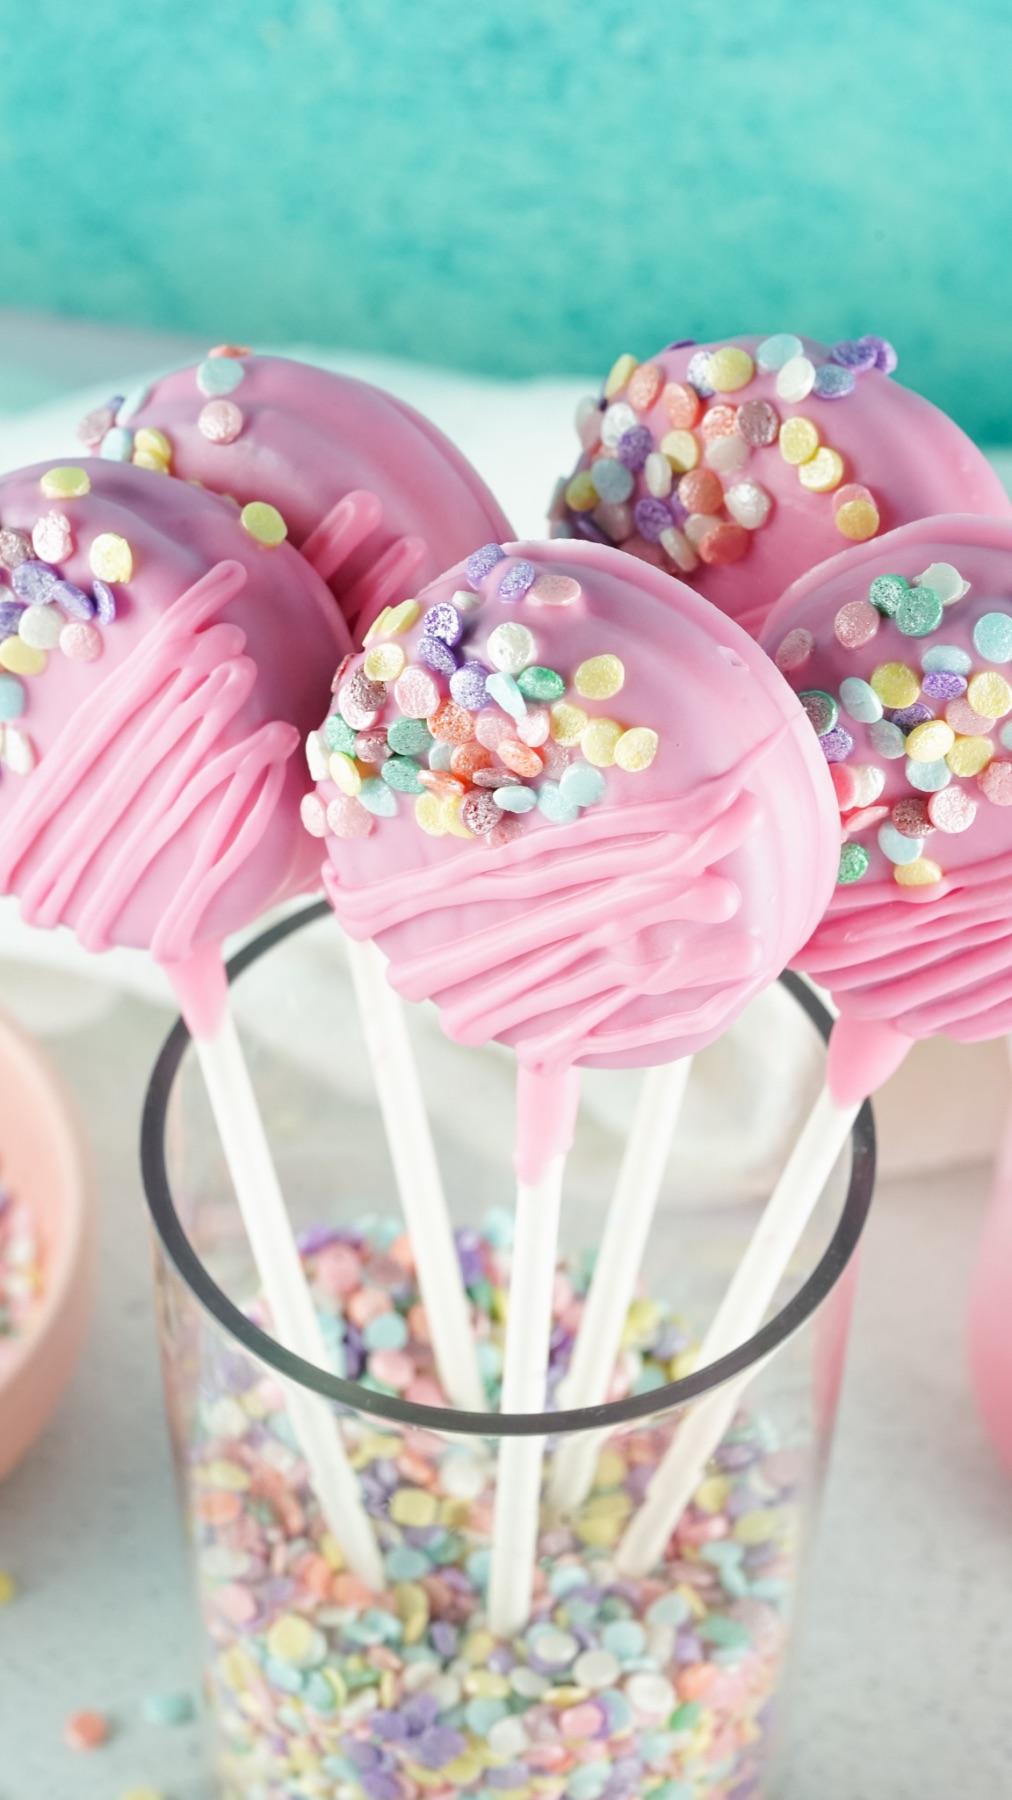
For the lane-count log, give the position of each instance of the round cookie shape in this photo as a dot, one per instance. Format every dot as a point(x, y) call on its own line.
point(574, 805)
point(155, 684)
point(373, 493)
point(901, 652)
point(739, 465)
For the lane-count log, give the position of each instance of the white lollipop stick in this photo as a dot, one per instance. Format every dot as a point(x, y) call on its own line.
point(616, 1272)
point(525, 1357)
point(440, 1281)
point(279, 1267)
point(739, 1315)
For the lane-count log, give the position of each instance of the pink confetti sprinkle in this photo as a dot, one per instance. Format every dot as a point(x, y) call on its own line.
point(967, 723)
point(856, 624)
point(509, 827)
point(81, 642)
point(491, 727)
point(554, 590)
point(394, 1368)
point(220, 421)
point(534, 727)
point(314, 815)
point(795, 651)
point(995, 782)
point(51, 537)
point(346, 818)
point(416, 693)
point(952, 810)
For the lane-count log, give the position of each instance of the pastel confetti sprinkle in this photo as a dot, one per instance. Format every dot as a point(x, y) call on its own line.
point(262, 521)
point(111, 558)
point(922, 873)
point(799, 439)
point(598, 741)
point(599, 678)
point(636, 749)
point(895, 683)
point(992, 637)
point(220, 421)
point(220, 375)
point(854, 861)
point(822, 472)
point(65, 484)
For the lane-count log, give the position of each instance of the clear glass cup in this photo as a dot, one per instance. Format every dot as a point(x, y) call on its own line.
point(672, 1686)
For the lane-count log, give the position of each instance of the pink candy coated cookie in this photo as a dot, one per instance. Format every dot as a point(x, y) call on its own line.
point(154, 688)
point(740, 465)
point(901, 652)
point(374, 496)
point(575, 806)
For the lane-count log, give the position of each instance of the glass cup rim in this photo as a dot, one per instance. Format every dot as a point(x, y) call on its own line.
point(447, 1421)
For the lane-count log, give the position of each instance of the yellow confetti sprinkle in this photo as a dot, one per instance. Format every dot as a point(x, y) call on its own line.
point(760, 1526)
point(264, 523)
point(153, 442)
point(614, 1503)
point(930, 741)
point(454, 823)
point(384, 662)
point(65, 484)
point(482, 1684)
point(378, 627)
point(858, 520)
point(290, 1638)
point(799, 439)
point(712, 1495)
point(581, 494)
point(21, 659)
point(695, 1602)
point(920, 873)
point(332, 1553)
point(990, 695)
point(8, 1587)
point(730, 368)
point(343, 773)
point(599, 677)
point(430, 814)
point(598, 741)
point(567, 722)
point(621, 372)
point(111, 558)
point(477, 1648)
point(969, 755)
point(636, 749)
point(600, 1533)
point(146, 459)
point(463, 1770)
point(400, 618)
point(895, 684)
point(681, 449)
point(413, 1506)
point(822, 472)
point(611, 1469)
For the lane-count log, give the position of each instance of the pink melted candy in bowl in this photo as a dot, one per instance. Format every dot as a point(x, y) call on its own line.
point(47, 1242)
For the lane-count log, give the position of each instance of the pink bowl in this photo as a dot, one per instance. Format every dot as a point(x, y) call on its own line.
point(44, 1162)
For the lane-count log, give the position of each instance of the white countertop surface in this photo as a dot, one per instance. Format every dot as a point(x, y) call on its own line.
point(903, 1685)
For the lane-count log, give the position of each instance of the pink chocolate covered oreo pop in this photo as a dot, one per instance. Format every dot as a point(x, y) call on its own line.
point(901, 652)
point(740, 465)
point(158, 665)
point(574, 805)
point(372, 494)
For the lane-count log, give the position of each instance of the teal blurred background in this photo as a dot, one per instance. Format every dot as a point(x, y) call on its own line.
point(520, 187)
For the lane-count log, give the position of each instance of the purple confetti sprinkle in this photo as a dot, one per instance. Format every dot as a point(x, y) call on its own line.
point(444, 1638)
point(682, 344)
point(105, 603)
point(11, 615)
point(73, 600)
point(363, 1756)
point(652, 517)
point(379, 1785)
point(444, 621)
point(885, 356)
point(34, 581)
point(834, 383)
point(514, 1775)
point(837, 745)
point(437, 655)
point(678, 510)
point(467, 686)
point(944, 684)
point(478, 565)
point(634, 446)
point(909, 716)
point(517, 580)
point(438, 1746)
point(697, 374)
point(855, 353)
point(421, 1711)
point(586, 527)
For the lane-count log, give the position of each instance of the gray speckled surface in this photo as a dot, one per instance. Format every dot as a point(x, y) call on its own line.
point(909, 1629)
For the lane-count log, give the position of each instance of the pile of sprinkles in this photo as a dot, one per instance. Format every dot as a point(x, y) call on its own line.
point(683, 481)
point(106, 431)
point(22, 1274)
point(938, 714)
point(482, 733)
point(663, 1687)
